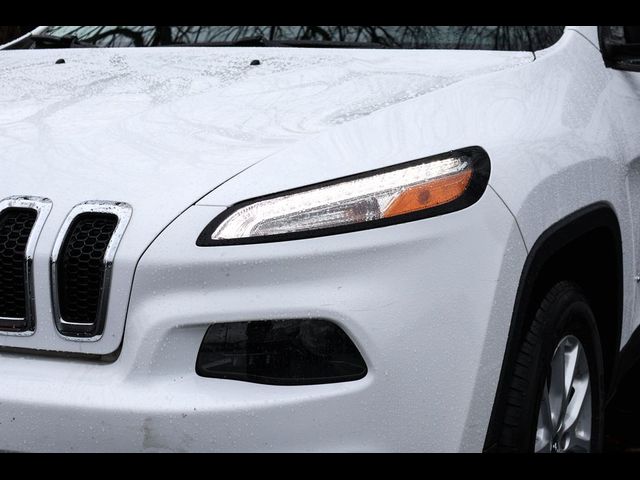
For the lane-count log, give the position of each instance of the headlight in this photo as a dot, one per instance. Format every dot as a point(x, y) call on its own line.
point(418, 189)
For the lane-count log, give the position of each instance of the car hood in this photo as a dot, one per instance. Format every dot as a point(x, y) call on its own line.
point(160, 128)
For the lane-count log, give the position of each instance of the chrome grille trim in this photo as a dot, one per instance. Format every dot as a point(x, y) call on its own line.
point(42, 207)
point(90, 331)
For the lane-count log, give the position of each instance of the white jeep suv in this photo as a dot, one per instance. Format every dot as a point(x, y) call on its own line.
point(270, 238)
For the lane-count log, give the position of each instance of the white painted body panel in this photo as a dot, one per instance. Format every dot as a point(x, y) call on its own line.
point(150, 399)
point(161, 128)
point(181, 134)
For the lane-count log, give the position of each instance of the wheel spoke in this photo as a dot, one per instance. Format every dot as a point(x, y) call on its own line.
point(544, 430)
point(556, 389)
point(581, 388)
point(570, 362)
point(577, 439)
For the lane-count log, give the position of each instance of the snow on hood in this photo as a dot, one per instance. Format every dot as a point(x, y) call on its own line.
point(160, 128)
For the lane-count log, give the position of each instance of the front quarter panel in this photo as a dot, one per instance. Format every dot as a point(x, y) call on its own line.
point(582, 149)
point(426, 302)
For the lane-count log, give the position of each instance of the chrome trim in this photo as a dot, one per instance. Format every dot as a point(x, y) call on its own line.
point(42, 206)
point(89, 332)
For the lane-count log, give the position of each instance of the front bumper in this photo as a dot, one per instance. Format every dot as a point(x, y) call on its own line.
point(428, 304)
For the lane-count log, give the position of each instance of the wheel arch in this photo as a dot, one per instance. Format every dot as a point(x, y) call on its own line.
point(555, 254)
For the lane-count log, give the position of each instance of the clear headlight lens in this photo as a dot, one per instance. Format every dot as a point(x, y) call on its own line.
point(417, 189)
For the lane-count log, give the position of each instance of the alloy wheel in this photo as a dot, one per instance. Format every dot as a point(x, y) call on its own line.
point(565, 413)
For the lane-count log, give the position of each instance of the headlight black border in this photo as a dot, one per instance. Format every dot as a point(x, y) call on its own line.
point(476, 155)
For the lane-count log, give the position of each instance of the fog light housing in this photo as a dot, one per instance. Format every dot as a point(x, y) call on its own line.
point(280, 352)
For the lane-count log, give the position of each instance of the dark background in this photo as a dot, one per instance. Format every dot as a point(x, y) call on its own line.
point(11, 32)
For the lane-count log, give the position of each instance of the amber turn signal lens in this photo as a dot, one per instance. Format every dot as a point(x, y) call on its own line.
point(430, 194)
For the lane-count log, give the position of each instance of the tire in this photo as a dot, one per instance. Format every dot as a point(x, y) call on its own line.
point(563, 316)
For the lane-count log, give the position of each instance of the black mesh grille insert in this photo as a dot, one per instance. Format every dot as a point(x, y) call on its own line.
point(81, 267)
point(15, 228)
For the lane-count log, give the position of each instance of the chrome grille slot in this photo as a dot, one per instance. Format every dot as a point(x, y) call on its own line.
point(21, 220)
point(81, 267)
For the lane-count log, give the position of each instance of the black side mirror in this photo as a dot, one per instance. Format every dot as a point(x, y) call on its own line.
point(620, 47)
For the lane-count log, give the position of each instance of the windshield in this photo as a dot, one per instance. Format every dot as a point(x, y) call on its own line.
point(519, 38)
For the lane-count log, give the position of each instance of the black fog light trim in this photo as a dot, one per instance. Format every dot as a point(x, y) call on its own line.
point(280, 352)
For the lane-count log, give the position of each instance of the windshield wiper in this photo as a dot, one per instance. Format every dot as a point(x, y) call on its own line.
point(51, 41)
point(261, 41)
